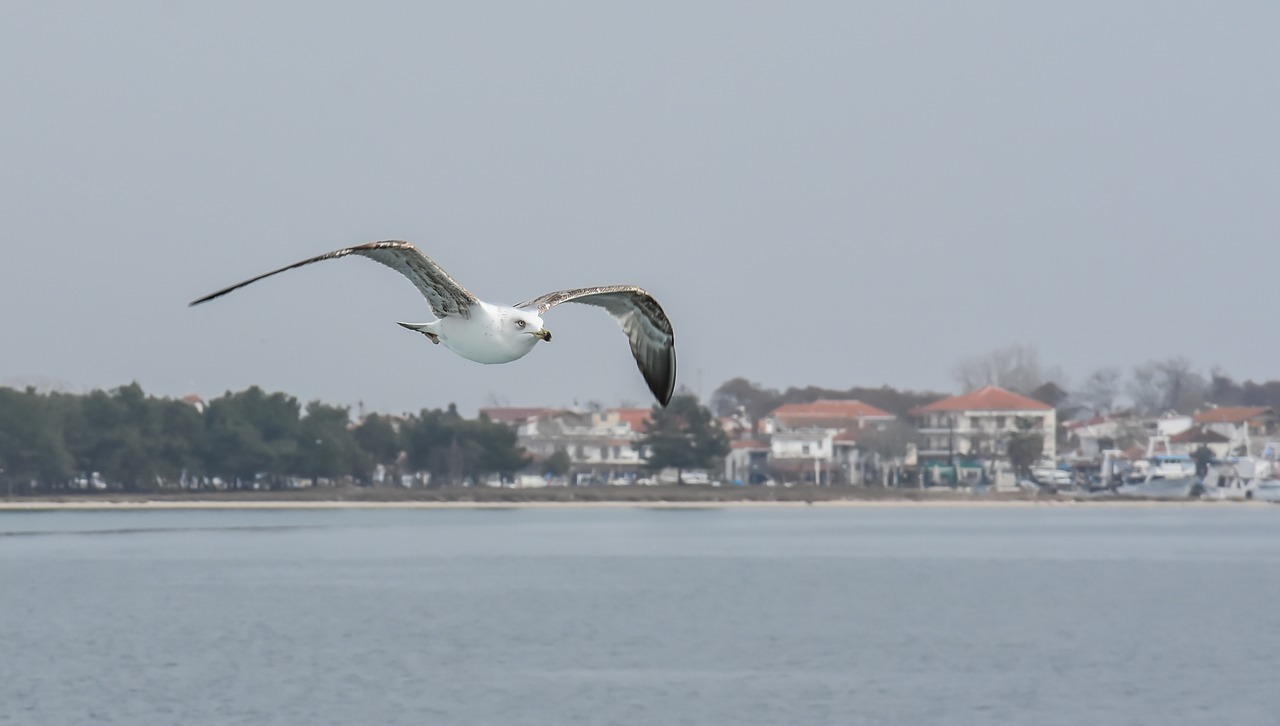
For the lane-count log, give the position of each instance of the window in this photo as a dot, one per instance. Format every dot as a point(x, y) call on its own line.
point(804, 449)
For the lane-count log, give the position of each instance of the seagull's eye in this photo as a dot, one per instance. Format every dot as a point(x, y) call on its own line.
point(520, 323)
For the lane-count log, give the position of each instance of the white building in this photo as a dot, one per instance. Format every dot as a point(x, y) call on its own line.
point(980, 424)
point(1241, 426)
point(602, 445)
point(747, 462)
point(817, 441)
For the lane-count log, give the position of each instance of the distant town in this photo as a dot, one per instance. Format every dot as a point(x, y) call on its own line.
point(1165, 432)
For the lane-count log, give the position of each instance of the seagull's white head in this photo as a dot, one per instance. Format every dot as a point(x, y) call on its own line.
point(523, 322)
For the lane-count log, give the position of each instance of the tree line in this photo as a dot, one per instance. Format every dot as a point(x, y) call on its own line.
point(125, 440)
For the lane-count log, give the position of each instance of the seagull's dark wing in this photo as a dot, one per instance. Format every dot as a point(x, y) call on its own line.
point(641, 317)
point(444, 294)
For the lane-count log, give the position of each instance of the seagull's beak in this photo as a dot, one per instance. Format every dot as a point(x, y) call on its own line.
point(544, 334)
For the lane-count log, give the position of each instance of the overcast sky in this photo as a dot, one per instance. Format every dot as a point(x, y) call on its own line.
point(834, 194)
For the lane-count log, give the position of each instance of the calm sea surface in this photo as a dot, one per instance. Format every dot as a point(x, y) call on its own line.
point(904, 615)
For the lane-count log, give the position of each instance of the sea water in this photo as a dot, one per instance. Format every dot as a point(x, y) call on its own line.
point(913, 614)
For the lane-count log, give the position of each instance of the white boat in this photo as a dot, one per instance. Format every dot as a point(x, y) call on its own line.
point(1242, 478)
point(1176, 488)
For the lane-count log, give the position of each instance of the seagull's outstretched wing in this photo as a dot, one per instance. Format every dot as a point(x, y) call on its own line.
point(646, 325)
point(444, 294)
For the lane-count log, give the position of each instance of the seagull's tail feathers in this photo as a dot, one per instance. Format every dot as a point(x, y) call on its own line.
point(427, 329)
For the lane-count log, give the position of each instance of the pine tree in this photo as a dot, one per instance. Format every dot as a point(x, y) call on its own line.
point(684, 435)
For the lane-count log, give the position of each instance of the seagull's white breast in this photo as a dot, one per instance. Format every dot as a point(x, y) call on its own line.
point(485, 337)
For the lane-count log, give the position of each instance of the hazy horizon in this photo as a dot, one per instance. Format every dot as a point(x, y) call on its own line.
point(830, 194)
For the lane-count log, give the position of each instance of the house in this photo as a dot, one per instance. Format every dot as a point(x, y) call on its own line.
point(747, 462)
point(825, 414)
point(1093, 435)
point(1189, 441)
point(979, 424)
point(1172, 424)
point(602, 445)
point(817, 441)
point(1238, 424)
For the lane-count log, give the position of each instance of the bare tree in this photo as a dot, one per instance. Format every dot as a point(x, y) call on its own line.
point(1100, 390)
point(885, 446)
point(890, 440)
point(1167, 385)
point(1014, 367)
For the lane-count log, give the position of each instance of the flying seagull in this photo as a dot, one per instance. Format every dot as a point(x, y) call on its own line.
point(488, 333)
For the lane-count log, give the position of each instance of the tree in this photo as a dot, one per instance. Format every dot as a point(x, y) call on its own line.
point(453, 449)
point(886, 443)
point(1224, 391)
point(31, 445)
point(115, 434)
point(251, 433)
point(1026, 445)
point(739, 394)
point(138, 442)
point(1014, 367)
point(1167, 385)
point(889, 441)
point(429, 439)
point(326, 447)
point(496, 449)
point(1100, 390)
point(684, 435)
point(380, 440)
point(558, 464)
point(1262, 394)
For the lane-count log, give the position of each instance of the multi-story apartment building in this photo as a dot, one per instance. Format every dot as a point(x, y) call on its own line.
point(602, 445)
point(979, 424)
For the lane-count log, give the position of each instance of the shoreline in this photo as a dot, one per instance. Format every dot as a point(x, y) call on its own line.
point(145, 504)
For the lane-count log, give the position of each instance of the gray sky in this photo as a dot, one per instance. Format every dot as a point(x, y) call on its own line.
point(818, 193)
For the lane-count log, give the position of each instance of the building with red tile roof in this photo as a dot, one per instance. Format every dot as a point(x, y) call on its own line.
point(817, 441)
point(989, 398)
point(1238, 424)
point(636, 418)
point(602, 445)
point(980, 423)
point(1234, 415)
point(825, 414)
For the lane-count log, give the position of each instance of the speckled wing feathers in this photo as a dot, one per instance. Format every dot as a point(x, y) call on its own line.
point(647, 327)
point(444, 294)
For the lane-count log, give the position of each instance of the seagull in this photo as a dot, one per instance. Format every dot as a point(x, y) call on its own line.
point(488, 333)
